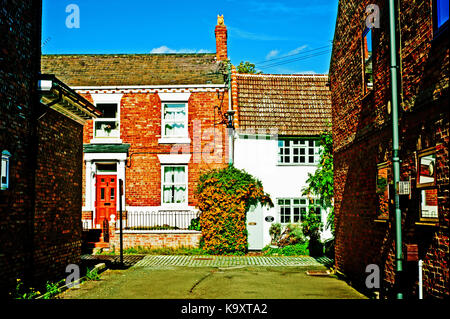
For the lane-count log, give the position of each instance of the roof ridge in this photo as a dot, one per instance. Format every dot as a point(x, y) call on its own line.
point(300, 75)
point(123, 54)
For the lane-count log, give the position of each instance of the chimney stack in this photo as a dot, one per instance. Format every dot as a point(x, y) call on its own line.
point(221, 40)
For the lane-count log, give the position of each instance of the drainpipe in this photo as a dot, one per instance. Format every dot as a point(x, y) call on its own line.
point(230, 114)
point(420, 279)
point(395, 148)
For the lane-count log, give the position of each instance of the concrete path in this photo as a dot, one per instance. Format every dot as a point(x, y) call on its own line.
point(216, 277)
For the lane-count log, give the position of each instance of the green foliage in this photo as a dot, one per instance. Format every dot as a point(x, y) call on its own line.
point(312, 225)
point(275, 232)
point(224, 198)
point(21, 292)
point(299, 249)
point(92, 274)
point(195, 224)
point(321, 183)
point(247, 67)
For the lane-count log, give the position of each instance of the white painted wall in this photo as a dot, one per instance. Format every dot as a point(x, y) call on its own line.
point(259, 157)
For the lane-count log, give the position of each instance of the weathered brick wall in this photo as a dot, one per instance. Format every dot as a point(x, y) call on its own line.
point(363, 138)
point(140, 126)
point(57, 220)
point(20, 23)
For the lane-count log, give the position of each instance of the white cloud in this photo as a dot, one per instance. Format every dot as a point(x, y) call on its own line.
point(164, 49)
point(272, 54)
point(297, 50)
point(239, 33)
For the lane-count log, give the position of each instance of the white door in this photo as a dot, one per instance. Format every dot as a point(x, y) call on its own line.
point(255, 220)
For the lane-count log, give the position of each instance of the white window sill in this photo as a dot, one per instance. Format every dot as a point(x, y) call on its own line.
point(106, 140)
point(174, 140)
point(297, 164)
point(174, 207)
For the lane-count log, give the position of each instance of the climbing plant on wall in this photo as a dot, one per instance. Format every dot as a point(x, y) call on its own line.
point(224, 198)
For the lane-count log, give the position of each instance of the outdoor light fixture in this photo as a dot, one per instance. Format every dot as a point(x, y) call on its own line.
point(4, 179)
point(230, 118)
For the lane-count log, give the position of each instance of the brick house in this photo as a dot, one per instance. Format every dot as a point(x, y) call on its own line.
point(362, 134)
point(162, 125)
point(41, 127)
point(278, 122)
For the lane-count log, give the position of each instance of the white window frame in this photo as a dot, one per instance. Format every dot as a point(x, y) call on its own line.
point(106, 98)
point(4, 170)
point(292, 205)
point(174, 98)
point(185, 133)
point(298, 146)
point(175, 205)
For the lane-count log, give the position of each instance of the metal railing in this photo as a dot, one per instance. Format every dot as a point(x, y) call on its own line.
point(159, 220)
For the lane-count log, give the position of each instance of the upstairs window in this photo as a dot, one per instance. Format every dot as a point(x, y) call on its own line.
point(174, 120)
point(4, 169)
point(367, 59)
point(108, 125)
point(298, 152)
point(440, 14)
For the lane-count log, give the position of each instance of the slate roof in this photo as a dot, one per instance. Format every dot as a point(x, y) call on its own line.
point(133, 69)
point(297, 105)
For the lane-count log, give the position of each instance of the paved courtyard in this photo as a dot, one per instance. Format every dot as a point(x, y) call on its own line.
point(216, 277)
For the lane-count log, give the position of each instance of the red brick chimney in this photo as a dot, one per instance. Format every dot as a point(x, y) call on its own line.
point(221, 40)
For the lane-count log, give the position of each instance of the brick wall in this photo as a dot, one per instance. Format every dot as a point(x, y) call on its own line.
point(156, 240)
point(140, 126)
point(362, 133)
point(20, 23)
point(57, 220)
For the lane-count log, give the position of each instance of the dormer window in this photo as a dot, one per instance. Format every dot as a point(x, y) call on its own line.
point(4, 178)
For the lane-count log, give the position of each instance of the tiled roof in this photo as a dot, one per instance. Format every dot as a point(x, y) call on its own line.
point(293, 104)
point(132, 69)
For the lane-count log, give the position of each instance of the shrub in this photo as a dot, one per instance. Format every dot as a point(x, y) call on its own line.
point(291, 234)
point(195, 224)
point(275, 232)
point(300, 249)
point(224, 198)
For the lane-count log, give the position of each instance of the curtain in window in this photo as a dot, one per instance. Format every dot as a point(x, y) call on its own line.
point(174, 185)
point(174, 119)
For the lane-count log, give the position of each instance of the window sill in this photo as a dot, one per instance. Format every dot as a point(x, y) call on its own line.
point(434, 222)
point(105, 140)
point(174, 140)
point(175, 207)
point(296, 164)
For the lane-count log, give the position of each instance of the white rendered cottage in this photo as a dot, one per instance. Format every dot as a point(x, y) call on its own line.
point(279, 119)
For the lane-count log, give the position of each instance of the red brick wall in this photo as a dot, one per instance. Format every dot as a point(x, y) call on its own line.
point(140, 126)
point(362, 135)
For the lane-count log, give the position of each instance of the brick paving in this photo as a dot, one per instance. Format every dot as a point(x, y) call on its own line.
point(226, 261)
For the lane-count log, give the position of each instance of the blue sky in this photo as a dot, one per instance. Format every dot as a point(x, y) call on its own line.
point(267, 33)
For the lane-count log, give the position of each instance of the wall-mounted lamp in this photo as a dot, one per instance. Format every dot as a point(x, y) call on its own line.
point(230, 119)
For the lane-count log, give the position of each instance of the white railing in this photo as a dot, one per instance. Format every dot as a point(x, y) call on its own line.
point(140, 219)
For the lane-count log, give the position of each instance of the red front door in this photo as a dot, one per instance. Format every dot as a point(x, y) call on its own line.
point(105, 204)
